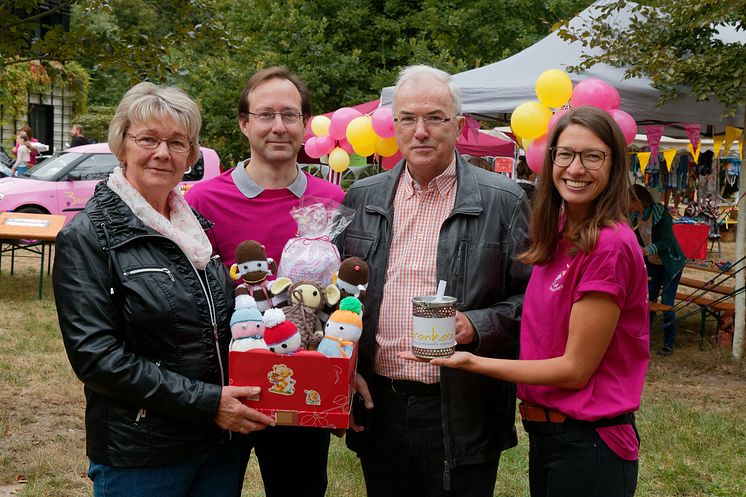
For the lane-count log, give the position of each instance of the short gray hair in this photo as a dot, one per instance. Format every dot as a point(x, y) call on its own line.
point(418, 71)
point(146, 102)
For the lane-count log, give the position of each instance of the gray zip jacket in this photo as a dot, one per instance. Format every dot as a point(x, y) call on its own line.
point(477, 250)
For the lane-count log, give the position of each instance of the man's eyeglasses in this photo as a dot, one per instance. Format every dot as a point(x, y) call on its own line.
point(590, 159)
point(428, 121)
point(287, 116)
point(176, 145)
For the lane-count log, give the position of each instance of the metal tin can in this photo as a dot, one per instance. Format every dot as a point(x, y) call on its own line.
point(433, 326)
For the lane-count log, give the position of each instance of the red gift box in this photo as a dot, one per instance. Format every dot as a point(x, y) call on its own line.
point(302, 389)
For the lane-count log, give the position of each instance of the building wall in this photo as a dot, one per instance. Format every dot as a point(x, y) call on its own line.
point(59, 102)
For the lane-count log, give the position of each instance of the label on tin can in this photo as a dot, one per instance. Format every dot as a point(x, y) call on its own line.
point(434, 334)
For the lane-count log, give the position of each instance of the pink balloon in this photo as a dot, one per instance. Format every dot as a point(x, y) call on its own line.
point(383, 122)
point(345, 145)
point(535, 154)
point(312, 148)
point(556, 117)
point(325, 144)
point(626, 123)
point(340, 119)
point(596, 93)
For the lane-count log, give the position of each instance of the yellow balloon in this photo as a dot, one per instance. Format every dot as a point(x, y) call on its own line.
point(339, 160)
point(320, 125)
point(530, 120)
point(386, 147)
point(365, 150)
point(554, 88)
point(360, 132)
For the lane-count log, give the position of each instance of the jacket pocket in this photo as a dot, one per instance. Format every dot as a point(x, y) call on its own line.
point(358, 243)
point(149, 303)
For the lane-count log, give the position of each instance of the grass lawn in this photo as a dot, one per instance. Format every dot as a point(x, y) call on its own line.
point(692, 421)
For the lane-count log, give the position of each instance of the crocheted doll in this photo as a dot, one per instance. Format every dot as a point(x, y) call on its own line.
point(247, 324)
point(281, 335)
point(253, 266)
point(352, 278)
point(343, 329)
point(306, 298)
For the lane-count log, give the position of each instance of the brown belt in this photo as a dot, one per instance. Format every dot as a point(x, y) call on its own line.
point(539, 414)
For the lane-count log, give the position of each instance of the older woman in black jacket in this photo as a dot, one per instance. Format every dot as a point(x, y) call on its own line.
point(144, 312)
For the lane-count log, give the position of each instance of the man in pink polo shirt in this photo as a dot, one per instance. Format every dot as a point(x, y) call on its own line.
point(253, 202)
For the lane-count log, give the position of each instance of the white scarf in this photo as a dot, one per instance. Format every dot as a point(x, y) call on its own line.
point(183, 228)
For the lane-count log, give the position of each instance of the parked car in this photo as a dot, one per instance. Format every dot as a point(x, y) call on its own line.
point(6, 162)
point(63, 183)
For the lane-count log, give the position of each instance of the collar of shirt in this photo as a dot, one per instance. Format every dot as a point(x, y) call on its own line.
point(250, 189)
point(441, 184)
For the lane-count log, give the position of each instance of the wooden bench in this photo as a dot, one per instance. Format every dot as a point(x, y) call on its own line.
point(693, 293)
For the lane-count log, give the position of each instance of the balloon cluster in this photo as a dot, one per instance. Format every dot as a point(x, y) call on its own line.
point(349, 131)
point(532, 121)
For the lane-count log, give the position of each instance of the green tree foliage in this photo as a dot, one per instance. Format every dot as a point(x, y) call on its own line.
point(675, 44)
point(347, 50)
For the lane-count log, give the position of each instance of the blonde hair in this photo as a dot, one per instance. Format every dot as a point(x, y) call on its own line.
point(146, 102)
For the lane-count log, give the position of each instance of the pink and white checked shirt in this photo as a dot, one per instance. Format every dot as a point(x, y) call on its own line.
point(411, 271)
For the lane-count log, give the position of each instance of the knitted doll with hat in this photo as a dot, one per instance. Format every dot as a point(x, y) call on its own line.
point(253, 266)
point(352, 278)
point(343, 329)
point(247, 325)
point(281, 335)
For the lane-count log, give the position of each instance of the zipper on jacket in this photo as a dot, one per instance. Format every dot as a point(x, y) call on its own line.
point(213, 316)
point(140, 415)
point(163, 270)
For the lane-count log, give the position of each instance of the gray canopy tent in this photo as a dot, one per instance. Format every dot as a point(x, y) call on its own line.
point(493, 91)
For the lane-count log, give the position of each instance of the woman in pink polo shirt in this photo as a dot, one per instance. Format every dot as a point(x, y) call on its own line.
point(584, 333)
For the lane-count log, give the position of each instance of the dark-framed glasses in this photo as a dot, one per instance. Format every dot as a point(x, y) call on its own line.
point(410, 121)
point(590, 159)
point(287, 116)
point(177, 145)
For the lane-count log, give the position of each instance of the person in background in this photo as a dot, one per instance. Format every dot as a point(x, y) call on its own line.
point(252, 202)
point(422, 430)
point(34, 145)
point(664, 258)
point(584, 330)
point(525, 177)
point(144, 312)
point(78, 138)
point(23, 154)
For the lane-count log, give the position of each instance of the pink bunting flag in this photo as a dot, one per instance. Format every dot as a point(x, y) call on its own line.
point(693, 131)
point(471, 126)
point(654, 134)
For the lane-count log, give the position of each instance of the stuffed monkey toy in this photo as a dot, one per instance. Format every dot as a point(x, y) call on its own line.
point(253, 266)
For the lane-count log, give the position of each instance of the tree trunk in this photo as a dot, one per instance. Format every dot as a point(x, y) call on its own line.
point(740, 318)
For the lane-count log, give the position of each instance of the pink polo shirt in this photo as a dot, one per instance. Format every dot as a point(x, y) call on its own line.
point(242, 210)
point(615, 267)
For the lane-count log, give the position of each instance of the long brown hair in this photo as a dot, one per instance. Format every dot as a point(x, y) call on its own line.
point(608, 209)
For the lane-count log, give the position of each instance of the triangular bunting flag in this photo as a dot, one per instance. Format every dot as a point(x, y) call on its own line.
point(654, 134)
point(731, 135)
point(695, 153)
point(669, 154)
point(692, 131)
point(644, 158)
point(717, 144)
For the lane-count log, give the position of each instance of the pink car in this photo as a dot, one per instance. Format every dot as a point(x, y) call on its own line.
point(63, 183)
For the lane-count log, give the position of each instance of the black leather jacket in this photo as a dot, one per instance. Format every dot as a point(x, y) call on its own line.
point(145, 332)
point(477, 247)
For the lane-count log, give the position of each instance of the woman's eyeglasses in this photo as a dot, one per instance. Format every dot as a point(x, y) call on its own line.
point(590, 159)
point(176, 145)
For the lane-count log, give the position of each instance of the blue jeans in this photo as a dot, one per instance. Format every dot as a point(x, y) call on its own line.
point(212, 474)
point(658, 285)
point(574, 461)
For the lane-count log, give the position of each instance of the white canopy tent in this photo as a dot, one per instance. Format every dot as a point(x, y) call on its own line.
point(494, 90)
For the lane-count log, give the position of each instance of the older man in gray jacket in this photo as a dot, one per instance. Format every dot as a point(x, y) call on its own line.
point(420, 430)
